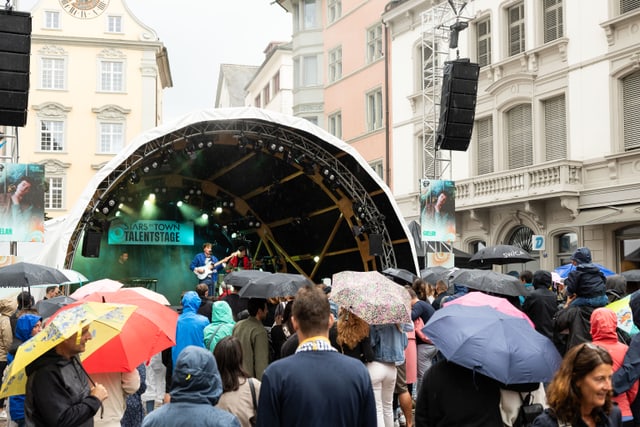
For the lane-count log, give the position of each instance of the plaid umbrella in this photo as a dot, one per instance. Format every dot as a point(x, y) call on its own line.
point(373, 297)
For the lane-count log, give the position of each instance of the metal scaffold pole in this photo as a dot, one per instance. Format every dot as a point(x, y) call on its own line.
point(436, 33)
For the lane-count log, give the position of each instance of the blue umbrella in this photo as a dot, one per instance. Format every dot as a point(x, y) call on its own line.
point(564, 270)
point(498, 345)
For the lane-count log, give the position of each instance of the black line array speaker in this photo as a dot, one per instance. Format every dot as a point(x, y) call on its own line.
point(15, 47)
point(457, 105)
point(91, 244)
point(375, 244)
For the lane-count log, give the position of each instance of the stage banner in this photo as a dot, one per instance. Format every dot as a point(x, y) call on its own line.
point(150, 232)
point(437, 210)
point(22, 189)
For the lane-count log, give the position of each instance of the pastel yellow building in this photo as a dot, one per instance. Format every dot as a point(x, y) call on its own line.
point(97, 76)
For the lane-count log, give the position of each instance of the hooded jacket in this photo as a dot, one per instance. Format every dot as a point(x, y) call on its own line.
point(221, 324)
point(58, 393)
point(195, 390)
point(603, 331)
point(24, 326)
point(541, 304)
point(190, 326)
point(625, 377)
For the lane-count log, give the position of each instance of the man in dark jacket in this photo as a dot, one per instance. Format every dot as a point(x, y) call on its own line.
point(541, 305)
point(452, 395)
point(58, 392)
point(572, 326)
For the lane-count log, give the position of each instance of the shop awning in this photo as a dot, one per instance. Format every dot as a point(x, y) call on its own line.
point(607, 215)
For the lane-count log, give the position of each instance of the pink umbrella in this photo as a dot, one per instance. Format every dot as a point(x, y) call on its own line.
point(103, 285)
point(499, 304)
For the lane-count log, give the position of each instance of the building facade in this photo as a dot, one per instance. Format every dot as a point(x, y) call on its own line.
point(271, 85)
point(555, 148)
point(97, 76)
point(339, 73)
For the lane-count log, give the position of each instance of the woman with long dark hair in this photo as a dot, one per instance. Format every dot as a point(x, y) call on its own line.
point(237, 394)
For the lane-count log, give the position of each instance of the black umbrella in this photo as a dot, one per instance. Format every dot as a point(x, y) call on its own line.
point(401, 274)
point(433, 274)
point(501, 254)
point(631, 275)
point(47, 307)
point(274, 285)
point(23, 274)
point(238, 279)
point(489, 281)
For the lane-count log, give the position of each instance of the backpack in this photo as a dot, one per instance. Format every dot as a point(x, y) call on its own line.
point(418, 324)
point(528, 411)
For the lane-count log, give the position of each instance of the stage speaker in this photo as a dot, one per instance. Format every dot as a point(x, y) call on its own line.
point(375, 244)
point(91, 244)
point(15, 46)
point(457, 105)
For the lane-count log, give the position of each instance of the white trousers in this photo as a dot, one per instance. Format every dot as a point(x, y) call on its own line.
point(383, 380)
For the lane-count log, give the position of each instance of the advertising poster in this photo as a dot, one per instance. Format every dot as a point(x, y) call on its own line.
point(437, 210)
point(151, 232)
point(22, 188)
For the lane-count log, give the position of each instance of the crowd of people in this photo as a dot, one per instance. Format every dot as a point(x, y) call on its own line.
point(303, 360)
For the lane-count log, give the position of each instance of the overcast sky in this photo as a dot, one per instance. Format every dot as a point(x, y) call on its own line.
point(202, 34)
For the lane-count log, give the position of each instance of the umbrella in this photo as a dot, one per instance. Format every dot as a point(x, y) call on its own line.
point(489, 281)
point(475, 299)
point(103, 285)
point(105, 322)
point(74, 276)
point(623, 312)
point(26, 274)
point(500, 254)
point(47, 307)
point(373, 297)
point(274, 285)
point(631, 275)
point(150, 329)
point(433, 274)
point(495, 344)
point(400, 273)
point(148, 293)
point(564, 270)
point(239, 278)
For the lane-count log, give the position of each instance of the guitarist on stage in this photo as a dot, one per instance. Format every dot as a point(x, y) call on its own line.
point(206, 266)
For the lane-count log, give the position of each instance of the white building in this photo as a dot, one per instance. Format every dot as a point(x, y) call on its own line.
point(271, 87)
point(555, 149)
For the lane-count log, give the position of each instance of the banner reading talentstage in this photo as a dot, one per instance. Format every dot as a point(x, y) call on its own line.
point(151, 232)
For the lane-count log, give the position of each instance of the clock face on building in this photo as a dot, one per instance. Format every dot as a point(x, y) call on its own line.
point(84, 9)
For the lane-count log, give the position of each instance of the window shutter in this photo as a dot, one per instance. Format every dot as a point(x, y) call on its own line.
point(630, 108)
point(628, 5)
point(555, 128)
point(484, 131)
point(552, 20)
point(484, 42)
point(520, 137)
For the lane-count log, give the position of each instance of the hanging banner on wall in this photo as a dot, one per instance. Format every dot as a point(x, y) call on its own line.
point(151, 232)
point(437, 210)
point(22, 188)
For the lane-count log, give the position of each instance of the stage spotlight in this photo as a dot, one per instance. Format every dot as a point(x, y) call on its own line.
point(146, 169)
point(204, 216)
point(151, 197)
point(180, 203)
point(218, 210)
point(134, 178)
point(273, 147)
point(154, 164)
point(359, 210)
point(316, 259)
